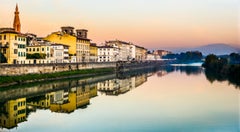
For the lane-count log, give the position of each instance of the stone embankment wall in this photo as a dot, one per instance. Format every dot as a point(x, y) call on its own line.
point(126, 67)
point(18, 69)
point(22, 69)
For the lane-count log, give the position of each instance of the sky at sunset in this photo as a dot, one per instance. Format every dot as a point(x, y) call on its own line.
point(148, 23)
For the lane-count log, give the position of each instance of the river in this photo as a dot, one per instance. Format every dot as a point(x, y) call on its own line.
point(171, 99)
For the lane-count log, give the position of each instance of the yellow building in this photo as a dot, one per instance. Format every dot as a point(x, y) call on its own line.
point(83, 46)
point(93, 52)
point(12, 113)
point(45, 50)
point(13, 46)
point(66, 37)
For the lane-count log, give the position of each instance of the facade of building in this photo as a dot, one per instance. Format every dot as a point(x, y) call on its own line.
point(107, 54)
point(141, 53)
point(161, 52)
point(44, 50)
point(83, 46)
point(13, 46)
point(60, 53)
point(133, 53)
point(66, 37)
point(125, 49)
point(150, 56)
point(93, 52)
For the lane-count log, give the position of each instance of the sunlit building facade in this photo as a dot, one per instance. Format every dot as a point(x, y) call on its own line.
point(13, 46)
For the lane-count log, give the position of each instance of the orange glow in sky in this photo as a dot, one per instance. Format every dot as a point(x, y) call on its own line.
point(148, 23)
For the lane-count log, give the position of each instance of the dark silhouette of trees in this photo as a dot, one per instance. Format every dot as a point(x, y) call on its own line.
point(222, 69)
point(188, 57)
point(234, 58)
point(36, 56)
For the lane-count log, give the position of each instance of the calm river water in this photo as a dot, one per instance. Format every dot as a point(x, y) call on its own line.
point(173, 99)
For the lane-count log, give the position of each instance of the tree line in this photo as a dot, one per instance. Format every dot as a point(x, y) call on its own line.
point(189, 56)
point(223, 68)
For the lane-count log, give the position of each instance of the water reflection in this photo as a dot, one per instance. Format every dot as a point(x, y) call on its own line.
point(213, 76)
point(188, 70)
point(12, 112)
point(116, 87)
point(61, 96)
point(66, 96)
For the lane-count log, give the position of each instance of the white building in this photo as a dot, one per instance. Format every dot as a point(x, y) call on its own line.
point(151, 57)
point(107, 54)
point(125, 49)
point(60, 53)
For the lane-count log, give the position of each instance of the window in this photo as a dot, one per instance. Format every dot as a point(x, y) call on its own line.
point(15, 51)
point(19, 54)
point(42, 49)
point(33, 49)
point(47, 48)
point(27, 49)
point(30, 49)
point(37, 49)
point(0, 37)
point(5, 37)
point(15, 37)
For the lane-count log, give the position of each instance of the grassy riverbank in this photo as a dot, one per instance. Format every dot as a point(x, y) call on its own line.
point(8, 80)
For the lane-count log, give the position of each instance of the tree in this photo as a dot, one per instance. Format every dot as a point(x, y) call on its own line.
point(235, 58)
point(36, 56)
point(210, 61)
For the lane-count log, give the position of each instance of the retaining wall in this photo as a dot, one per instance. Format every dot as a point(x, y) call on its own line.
point(21, 69)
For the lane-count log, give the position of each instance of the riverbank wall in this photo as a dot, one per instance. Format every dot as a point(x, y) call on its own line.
point(18, 69)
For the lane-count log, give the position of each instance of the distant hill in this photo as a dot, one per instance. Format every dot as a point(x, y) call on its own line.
point(217, 49)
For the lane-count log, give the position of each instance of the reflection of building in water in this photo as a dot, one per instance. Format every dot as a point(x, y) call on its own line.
point(93, 90)
point(83, 96)
point(121, 86)
point(12, 112)
point(162, 73)
point(67, 100)
point(109, 86)
point(41, 102)
point(60, 97)
point(139, 80)
point(63, 101)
